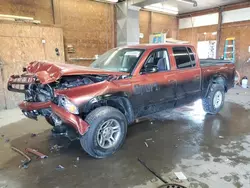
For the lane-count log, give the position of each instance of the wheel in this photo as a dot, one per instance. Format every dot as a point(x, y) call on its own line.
point(107, 132)
point(214, 101)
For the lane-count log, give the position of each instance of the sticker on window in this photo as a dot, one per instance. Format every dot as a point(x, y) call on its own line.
point(133, 53)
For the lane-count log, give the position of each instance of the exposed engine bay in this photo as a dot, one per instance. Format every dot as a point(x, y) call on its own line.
point(37, 92)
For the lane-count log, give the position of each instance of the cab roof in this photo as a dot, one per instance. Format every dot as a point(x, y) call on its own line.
point(155, 46)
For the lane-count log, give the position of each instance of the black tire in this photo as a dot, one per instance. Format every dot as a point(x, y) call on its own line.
point(208, 101)
point(95, 119)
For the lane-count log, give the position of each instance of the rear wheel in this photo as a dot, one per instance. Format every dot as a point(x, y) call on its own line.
point(107, 132)
point(214, 101)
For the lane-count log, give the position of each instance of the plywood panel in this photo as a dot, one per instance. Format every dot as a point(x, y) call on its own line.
point(21, 44)
point(193, 35)
point(164, 23)
point(38, 9)
point(156, 23)
point(88, 26)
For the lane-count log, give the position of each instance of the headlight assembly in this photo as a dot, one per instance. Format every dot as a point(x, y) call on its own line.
point(69, 106)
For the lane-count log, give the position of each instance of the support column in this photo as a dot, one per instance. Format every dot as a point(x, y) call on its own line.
point(127, 17)
point(219, 33)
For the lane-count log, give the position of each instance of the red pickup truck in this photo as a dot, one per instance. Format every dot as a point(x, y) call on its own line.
point(96, 104)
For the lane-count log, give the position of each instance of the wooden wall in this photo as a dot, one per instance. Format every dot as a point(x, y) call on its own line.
point(21, 44)
point(151, 22)
point(193, 35)
point(88, 26)
point(38, 9)
point(239, 30)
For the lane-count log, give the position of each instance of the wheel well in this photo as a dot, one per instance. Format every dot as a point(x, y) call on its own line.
point(221, 80)
point(120, 103)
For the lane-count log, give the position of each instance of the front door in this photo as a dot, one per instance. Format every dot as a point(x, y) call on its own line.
point(154, 88)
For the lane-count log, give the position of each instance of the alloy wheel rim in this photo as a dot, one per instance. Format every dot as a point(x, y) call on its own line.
point(217, 99)
point(109, 134)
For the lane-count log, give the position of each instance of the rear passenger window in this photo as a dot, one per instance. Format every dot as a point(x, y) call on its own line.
point(182, 58)
point(191, 54)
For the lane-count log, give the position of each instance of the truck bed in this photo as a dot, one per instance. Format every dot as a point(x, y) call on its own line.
point(213, 62)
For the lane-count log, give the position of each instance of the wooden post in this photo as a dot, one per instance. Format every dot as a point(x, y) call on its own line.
point(219, 33)
point(56, 11)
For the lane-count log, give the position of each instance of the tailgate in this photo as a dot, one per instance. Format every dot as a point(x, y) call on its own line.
point(18, 83)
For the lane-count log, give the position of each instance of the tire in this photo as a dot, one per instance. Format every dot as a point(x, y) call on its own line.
point(96, 139)
point(214, 100)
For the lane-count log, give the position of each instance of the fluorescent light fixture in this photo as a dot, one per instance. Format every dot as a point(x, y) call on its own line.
point(112, 1)
point(192, 2)
point(159, 7)
point(214, 33)
point(107, 1)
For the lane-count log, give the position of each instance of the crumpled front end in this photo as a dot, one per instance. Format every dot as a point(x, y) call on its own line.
point(55, 115)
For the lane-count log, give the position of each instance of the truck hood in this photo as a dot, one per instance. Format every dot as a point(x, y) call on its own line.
point(50, 72)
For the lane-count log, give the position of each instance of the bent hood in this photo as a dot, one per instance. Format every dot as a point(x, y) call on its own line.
point(50, 72)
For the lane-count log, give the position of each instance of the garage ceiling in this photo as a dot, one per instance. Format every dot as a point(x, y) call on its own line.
point(185, 7)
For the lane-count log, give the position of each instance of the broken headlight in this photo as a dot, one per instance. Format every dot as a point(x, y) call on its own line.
point(68, 105)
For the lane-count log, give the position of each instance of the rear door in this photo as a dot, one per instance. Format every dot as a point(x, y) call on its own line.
point(188, 74)
point(154, 91)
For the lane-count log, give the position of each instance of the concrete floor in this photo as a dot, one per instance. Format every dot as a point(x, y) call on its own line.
point(212, 151)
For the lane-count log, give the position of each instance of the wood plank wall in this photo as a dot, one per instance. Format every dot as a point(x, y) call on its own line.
point(151, 22)
point(21, 44)
point(239, 30)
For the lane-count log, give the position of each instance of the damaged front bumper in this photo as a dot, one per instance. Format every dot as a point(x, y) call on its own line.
point(30, 109)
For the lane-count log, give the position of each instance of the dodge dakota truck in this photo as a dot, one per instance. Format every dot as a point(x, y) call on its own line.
point(96, 104)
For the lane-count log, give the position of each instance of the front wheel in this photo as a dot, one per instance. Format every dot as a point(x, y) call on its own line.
point(214, 101)
point(107, 132)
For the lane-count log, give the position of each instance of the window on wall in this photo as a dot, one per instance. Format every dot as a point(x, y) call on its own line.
point(182, 57)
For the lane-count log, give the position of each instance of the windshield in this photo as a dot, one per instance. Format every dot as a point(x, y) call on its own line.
point(118, 59)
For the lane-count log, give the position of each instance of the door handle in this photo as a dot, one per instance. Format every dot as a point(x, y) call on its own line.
point(172, 81)
point(197, 77)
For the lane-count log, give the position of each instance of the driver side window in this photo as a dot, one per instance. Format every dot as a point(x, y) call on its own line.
point(158, 61)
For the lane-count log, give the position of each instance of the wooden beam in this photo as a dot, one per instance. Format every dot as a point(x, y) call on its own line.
point(219, 33)
point(56, 11)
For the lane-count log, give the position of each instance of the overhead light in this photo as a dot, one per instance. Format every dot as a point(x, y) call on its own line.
point(108, 1)
point(214, 33)
point(192, 2)
point(159, 7)
point(112, 1)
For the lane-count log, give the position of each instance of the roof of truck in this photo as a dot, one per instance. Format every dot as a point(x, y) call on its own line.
point(153, 46)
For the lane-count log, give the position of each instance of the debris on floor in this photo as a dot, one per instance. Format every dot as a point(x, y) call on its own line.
point(78, 159)
point(221, 137)
point(33, 135)
point(55, 148)
point(60, 167)
point(146, 144)
point(148, 139)
point(36, 152)
point(180, 176)
point(24, 164)
point(7, 140)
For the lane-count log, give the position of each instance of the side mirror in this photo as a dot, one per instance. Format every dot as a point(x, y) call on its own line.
point(150, 69)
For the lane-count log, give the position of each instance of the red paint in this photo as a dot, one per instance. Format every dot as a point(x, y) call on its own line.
point(29, 106)
point(71, 119)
